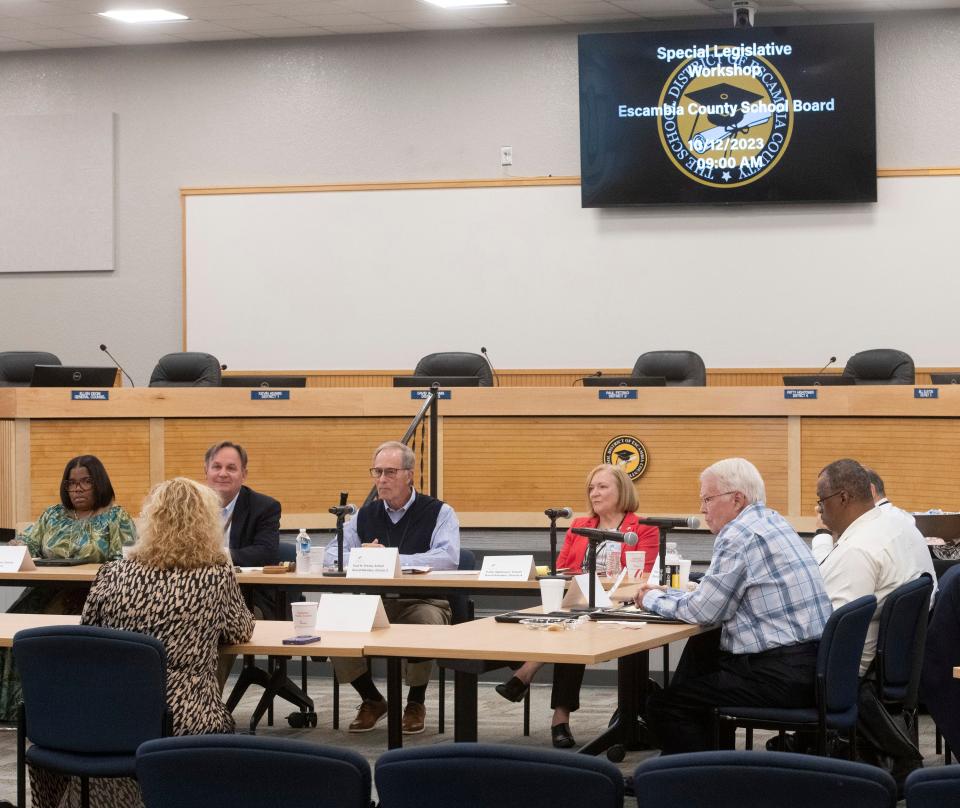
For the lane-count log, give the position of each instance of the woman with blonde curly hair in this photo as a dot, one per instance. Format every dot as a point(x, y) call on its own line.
point(178, 585)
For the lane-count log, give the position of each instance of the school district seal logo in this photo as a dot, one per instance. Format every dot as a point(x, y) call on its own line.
point(727, 117)
point(627, 451)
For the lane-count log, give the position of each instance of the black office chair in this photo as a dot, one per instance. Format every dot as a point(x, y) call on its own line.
point(900, 644)
point(455, 363)
point(186, 369)
point(881, 366)
point(736, 779)
point(837, 685)
point(933, 788)
point(679, 368)
point(91, 696)
point(225, 771)
point(16, 367)
point(940, 689)
point(470, 775)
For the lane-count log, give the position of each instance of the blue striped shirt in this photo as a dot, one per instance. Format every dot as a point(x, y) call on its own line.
point(763, 587)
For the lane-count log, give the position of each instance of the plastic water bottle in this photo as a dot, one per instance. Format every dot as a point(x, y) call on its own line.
point(303, 552)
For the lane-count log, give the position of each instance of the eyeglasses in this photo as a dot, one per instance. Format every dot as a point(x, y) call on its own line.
point(708, 500)
point(821, 500)
point(388, 473)
point(80, 485)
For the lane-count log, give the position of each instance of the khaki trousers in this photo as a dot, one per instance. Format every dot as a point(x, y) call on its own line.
point(401, 610)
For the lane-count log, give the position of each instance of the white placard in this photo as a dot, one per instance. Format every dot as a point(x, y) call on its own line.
point(578, 593)
point(374, 562)
point(508, 568)
point(344, 612)
point(15, 558)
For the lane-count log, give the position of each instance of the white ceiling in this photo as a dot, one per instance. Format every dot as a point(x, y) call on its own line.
point(41, 24)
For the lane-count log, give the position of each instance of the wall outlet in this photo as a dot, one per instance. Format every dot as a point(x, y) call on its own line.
point(506, 155)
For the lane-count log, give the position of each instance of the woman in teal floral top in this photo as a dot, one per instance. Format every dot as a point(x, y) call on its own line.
point(86, 524)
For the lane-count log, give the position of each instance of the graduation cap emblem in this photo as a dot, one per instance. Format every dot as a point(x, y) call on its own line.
point(723, 103)
point(629, 453)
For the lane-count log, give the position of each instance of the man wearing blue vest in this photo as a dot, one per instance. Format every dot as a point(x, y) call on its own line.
point(427, 533)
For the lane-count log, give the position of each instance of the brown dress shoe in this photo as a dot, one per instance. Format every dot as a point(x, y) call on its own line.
point(413, 715)
point(368, 715)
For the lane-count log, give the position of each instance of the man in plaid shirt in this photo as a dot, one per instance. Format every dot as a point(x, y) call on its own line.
point(764, 590)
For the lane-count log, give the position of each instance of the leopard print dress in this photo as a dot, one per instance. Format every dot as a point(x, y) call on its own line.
point(191, 612)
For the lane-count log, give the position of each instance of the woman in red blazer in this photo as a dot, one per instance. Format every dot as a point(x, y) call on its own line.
point(613, 502)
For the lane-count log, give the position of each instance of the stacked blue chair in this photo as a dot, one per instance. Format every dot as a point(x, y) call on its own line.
point(467, 775)
point(738, 779)
point(226, 771)
point(837, 684)
point(91, 696)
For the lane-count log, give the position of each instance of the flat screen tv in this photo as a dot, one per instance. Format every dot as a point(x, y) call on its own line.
point(725, 116)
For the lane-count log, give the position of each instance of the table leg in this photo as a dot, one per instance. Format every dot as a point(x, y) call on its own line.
point(464, 706)
point(632, 674)
point(394, 698)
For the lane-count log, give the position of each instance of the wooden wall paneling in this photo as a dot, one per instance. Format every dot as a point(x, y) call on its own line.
point(157, 463)
point(917, 458)
point(302, 462)
point(8, 474)
point(527, 464)
point(21, 431)
point(794, 456)
point(122, 444)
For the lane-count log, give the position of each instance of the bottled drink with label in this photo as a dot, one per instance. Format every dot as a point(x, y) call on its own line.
point(304, 545)
point(613, 565)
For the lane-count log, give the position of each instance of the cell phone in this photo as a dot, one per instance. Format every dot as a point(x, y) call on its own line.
point(300, 640)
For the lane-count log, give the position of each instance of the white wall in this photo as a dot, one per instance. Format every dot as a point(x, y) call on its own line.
point(353, 109)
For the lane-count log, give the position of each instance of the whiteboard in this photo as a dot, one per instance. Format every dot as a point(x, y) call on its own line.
point(369, 279)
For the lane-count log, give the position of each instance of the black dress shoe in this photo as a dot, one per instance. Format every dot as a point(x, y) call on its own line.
point(562, 737)
point(513, 689)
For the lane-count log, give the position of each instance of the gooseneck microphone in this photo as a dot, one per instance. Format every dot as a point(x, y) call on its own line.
point(591, 376)
point(670, 524)
point(629, 538)
point(558, 513)
point(496, 378)
point(119, 366)
point(341, 511)
point(819, 373)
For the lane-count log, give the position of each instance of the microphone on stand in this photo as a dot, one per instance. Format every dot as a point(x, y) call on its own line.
point(591, 376)
point(496, 378)
point(670, 524)
point(595, 534)
point(553, 514)
point(119, 366)
point(819, 373)
point(341, 511)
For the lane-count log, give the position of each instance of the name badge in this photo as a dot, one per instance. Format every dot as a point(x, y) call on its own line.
point(443, 395)
point(507, 568)
point(269, 395)
point(792, 392)
point(374, 562)
point(926, 392)
point(90, 395)
point(616, 393)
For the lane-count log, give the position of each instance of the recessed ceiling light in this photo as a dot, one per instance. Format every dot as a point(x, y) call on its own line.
point(466, 3)
point(143, 15)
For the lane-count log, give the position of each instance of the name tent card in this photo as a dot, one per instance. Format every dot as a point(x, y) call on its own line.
point(578, 593)
point(343, 612)
point(15, 559)
point(508, 568)
point(374, 562)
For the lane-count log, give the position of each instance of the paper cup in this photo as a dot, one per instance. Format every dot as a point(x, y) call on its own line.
point(551, 592)
point(635, 561)
point(304, 617)
point(684, 572)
